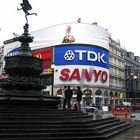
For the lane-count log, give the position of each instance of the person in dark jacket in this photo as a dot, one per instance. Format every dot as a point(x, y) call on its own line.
point(68, 96)
point(79, 98)
point(63, 97)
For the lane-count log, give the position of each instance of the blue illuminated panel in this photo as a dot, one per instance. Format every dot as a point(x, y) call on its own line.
point(81, 55)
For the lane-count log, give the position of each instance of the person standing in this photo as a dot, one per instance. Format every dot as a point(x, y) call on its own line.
point(79, 98)
point(68, 96)
point(63, 97)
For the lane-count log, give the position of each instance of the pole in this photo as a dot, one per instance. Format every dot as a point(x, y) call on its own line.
point(52, 81)
point(52, 67)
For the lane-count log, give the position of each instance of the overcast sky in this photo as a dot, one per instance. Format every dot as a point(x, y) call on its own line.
point(120, 17)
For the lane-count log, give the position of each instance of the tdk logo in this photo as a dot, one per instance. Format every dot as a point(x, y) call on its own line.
point(69, 55)
point(91, 56)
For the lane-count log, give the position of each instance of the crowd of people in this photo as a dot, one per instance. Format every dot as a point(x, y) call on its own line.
point(67, 94)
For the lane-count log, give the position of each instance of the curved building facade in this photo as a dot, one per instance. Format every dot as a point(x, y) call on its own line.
point(80, 53)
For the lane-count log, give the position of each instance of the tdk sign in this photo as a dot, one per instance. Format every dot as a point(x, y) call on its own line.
point(91, 55)
point(81, 55)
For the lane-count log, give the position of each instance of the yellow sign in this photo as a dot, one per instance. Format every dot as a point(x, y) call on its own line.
point(50, 71)
point(38, 55)
point(121, 95)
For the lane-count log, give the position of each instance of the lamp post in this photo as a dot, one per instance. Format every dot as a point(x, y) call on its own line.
point(52, 67)
point(131, 88)
point(135, 77)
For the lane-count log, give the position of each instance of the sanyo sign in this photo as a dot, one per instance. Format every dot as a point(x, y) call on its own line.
point(81, 64)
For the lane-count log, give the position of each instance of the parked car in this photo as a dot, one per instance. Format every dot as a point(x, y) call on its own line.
point(89, 108)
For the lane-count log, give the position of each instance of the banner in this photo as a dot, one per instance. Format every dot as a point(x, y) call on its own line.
point(81, 55)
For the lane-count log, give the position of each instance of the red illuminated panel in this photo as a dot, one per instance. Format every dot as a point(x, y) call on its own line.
point(45, 54)
point(4, 76)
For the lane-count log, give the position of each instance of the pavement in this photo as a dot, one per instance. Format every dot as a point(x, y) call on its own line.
point(134, 115)
point(130, 134)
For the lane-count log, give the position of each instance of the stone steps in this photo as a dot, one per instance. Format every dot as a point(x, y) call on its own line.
point(40, 123)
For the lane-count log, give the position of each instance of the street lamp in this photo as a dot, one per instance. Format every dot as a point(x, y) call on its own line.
point(52, 67)
point(135, 77)
point(131, 86)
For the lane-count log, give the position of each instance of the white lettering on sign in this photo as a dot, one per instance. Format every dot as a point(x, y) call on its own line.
point(91, 53)
point(80, 53)
point(91, 56)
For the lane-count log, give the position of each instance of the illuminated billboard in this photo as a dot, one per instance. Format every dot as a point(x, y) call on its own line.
point(13, 52)
point(81, 64)
point(82, 33)
point(78, 50)
point(81, 55)
point(46, 54)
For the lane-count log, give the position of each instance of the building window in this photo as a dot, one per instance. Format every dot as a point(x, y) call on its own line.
point(119, 53)
point(105, 101)
point(116, 82)
point(115, 60)
point(111, 81)
point(114, 70)
point(111, 59)
point(110, 70)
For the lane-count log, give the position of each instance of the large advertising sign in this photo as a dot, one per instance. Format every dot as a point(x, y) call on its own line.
point(81, 55)
point(46, 54)
point(81, 64)
point(81, 75)
point(81, 33)
point(13, 52)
